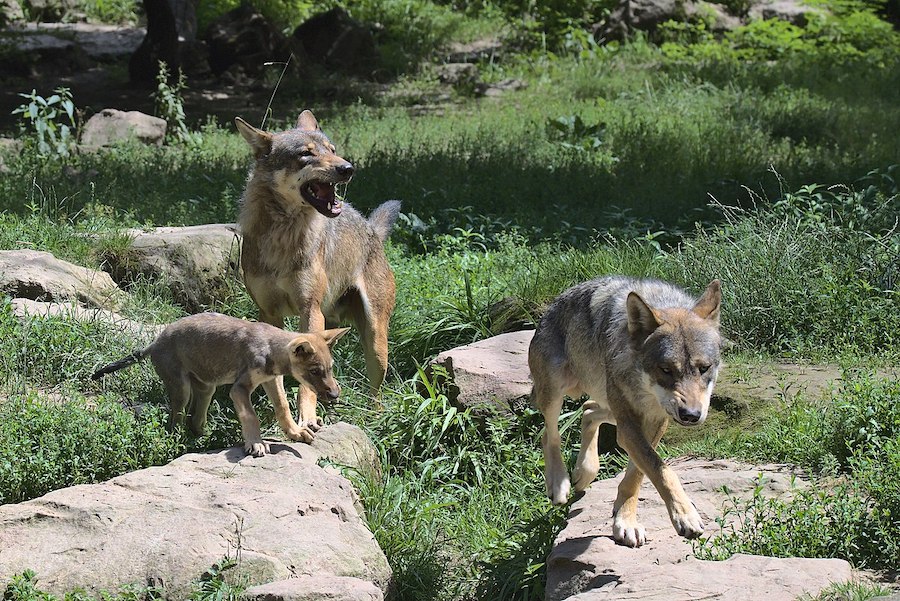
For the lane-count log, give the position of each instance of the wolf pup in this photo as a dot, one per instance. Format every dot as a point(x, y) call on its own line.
point(307, 253)
point(195, 354)
point(644, 351)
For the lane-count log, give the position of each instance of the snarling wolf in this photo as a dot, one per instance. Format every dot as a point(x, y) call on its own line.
point(198, 353)
point(307, 253)
point(644, 352)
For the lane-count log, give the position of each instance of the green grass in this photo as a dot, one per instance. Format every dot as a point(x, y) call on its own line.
point(604, 163)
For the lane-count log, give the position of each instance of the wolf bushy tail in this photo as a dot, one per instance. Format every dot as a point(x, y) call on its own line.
point(383, 218)
point(121, 363)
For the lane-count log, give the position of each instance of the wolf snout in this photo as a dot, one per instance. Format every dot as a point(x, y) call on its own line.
point(333, 393)
point(689, 416)
point(346, 170)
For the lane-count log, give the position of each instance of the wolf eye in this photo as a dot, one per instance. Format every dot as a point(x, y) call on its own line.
point(316, 371)
point(703, 368)
point(665, 370)
point(306, 153)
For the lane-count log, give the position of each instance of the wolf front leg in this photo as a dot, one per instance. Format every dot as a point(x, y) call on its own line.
point(275, 391)
point(640, 441)
point(253, 442)
point(311, 320)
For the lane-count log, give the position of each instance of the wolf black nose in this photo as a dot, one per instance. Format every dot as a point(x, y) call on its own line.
point(334, 393)
point(690, 416)
point(345, 170)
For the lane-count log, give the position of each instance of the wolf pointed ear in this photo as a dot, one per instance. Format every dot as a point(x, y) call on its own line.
point(260, 141)
point(642, 318)
point(307, 121)
point(332, 336)
point(301, 347)
point(710, 302)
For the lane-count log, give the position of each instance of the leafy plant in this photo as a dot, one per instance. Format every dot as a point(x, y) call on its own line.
point(170, 105)
point(51, 121)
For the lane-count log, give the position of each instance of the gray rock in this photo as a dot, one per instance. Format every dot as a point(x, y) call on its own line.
point(280, 516)
point(458, 74)
point(315, 588)
point(586, 565)
point(197, 262)
point(40, 276)
point(792, 11)
point(487, 49)
point(25, 308)
point(110, 126)
point(489, 372)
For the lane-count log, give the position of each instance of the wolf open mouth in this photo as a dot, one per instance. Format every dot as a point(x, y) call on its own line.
point(322, 197)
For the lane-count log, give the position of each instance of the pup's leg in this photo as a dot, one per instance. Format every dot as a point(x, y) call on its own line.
point(275, 391)
point(178, 387)
point(253, 442)
point(588, 464)
point(640, 444)
point(202, 395)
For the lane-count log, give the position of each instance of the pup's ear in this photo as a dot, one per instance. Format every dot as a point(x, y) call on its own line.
point(642, 318)
point(710, 302)
point(332, 336)
point(301, 347)
point(307, 121)
point(260, 141)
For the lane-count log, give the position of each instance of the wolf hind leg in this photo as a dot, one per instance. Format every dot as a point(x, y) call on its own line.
point(202, 395)
point(588, 464)
point(549, 403)
point(178, 387)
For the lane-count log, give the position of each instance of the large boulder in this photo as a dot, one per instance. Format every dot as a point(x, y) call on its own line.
point(491, 372)
point(586, 565)
point(279, 516)
point(197, 262)
point(111, 126)
point(40, 276)
point(336, 40)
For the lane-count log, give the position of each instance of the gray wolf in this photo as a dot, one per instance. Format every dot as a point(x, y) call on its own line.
point(307, 253)
point(195, 354)
point(644, 351)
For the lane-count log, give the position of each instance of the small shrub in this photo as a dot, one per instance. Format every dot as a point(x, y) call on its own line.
point(170, 106)
point(50, 120)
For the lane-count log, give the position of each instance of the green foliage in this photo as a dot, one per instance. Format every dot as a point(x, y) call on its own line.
point(51, 121)
point(120, 12)
point(854, 516)
point(170, 106)
point(213, 585)
point(48, 445)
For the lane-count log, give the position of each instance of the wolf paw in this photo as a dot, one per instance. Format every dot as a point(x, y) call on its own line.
point(688, 523)
point(257, 449)
point(628, 532)
point(303, 433)
point(559, 491)
point(585, 472)
point(314, 424)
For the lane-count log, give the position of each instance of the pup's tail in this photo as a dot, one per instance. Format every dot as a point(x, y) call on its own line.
point(383, 218)
point(121, 363)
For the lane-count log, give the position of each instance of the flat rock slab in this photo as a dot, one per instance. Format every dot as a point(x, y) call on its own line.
point(586, 565)
point(493, 371)
point(283, 516)
point(40, 276)
point(24, 308)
